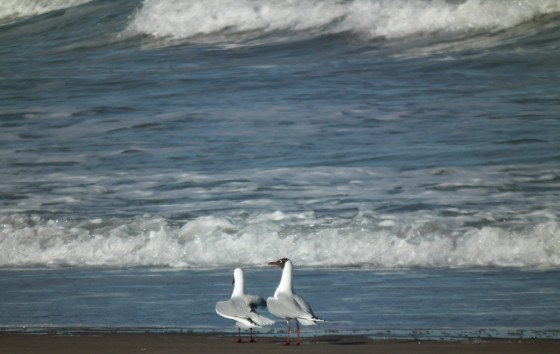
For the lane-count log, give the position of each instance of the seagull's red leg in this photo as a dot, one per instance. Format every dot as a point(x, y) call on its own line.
point(298, 341)
point(251, 340)
point(239, 336)
point(288, 341)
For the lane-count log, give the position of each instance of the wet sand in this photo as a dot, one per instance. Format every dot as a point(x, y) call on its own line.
point(108, 343)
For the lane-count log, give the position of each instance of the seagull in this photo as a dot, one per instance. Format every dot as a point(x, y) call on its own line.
point(242, 307)
point(287, 304)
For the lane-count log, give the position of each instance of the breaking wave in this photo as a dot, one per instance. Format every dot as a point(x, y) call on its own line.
point(207, 242)
point(242, 20)
point(12, 9)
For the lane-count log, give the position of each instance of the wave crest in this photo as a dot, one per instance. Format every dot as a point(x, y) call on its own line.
point(12, 9)
point(205, 242)
point(242, 20)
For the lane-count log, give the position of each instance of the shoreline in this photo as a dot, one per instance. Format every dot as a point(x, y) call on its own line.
point(108, 343)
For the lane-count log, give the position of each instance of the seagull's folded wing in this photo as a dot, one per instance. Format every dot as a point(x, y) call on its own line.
point(236, 309)
point(310, 318)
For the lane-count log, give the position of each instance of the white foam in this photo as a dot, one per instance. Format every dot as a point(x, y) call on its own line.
point(188, 19)
point(366, 240)
point(400, 18)
point(241, 20)
point(24, 8)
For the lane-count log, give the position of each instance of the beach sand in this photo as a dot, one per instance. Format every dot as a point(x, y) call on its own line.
point(108, 343)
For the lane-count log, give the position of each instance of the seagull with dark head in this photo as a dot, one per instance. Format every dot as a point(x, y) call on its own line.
point(288, 305)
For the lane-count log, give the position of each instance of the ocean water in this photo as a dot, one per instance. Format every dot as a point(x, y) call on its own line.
point(404, 154)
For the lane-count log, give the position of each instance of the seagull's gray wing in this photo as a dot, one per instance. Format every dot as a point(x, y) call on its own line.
point(303, 305)
point(310, 319)
point(292, 306)
point(285, 306)
point(236, 309)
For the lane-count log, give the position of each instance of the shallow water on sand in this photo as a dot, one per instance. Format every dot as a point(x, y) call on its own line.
point(413, 303)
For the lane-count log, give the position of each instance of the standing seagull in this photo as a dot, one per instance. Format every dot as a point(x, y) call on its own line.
point(242, 307)
point(287, 304)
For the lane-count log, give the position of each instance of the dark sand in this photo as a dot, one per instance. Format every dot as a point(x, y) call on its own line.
point(104, 343)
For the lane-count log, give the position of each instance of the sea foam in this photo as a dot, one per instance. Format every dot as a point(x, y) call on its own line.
point(242, 20)
point(207, 242)
point(23, 8)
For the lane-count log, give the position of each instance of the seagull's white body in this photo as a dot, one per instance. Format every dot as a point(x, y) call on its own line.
point(242, 307)
point(288, 305)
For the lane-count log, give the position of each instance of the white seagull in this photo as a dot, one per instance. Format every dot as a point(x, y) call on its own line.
point(242, 307)
point(287, 304)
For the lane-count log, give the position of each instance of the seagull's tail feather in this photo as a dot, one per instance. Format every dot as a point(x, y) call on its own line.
point(246, 323)
point(261, 320)
point(309, 321)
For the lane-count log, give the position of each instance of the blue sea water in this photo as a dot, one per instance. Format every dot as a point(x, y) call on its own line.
point(404, 154)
